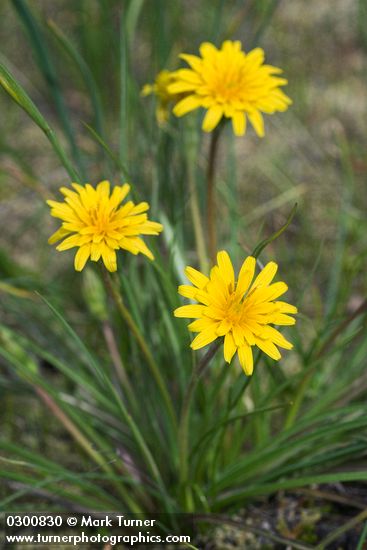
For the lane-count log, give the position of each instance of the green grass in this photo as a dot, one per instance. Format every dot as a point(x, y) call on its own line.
point(67, 351)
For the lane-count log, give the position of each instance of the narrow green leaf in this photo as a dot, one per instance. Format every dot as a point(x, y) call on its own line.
point(18, 94)
point(260, 247)
point(84, 350)
point(224, 423)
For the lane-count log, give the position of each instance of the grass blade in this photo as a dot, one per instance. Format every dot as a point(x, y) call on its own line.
point(18, 94)
point(260, 247)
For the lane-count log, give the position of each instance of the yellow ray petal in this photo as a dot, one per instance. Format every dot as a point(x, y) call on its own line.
point(109, 258)
point(225, 268)
point(224, 327)
point(269, 293)
point(270, 333)
point(73, 241)
point(204, 338)
point(257, 122)
point(246, 359)
point(194, 61)
point(249, 335)
point(196, 277)
point(208, 50)
point(282, 319)
point(189, 103)
point(238, 335)
point(203, 297)
point(118, 195)
point(215, 312)
point(187, 291)
point(269, 348)
point(103, 188)
point(239, 123)
point(266, 275)
point(284, 307)
point(150, 228)
point(140, 245)
point(255, 56)
point(95, 252)
point(201, 324)
point(212, 118)
point(81, 257)
point(189, 76)
point(140, 208)
point(189, 311)
point(59, 234)
point(246, 275)
point(230, 347)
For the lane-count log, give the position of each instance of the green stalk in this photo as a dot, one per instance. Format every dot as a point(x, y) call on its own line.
point(210, 192)
point(125, 314)
point(191, 148)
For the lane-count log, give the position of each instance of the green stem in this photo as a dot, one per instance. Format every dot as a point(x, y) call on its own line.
point(210, 192)
point(125, 314)
point(191, 147)
point(183, 431)
point(196, 221)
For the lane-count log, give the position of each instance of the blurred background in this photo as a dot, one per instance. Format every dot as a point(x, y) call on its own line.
point(84, 65)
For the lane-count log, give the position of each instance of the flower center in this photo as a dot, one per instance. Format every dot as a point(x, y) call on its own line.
point(100, 220)
point(228, 85)
point(235, 309)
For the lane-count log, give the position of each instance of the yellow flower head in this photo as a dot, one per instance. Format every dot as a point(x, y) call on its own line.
point(236, 309)
point(230, 83)
point(164, 97)
point(94, 221)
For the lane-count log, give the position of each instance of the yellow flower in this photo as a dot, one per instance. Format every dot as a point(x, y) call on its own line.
point(238, 310)
point(230, 83)
point(94, 221)
point(164, 97)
